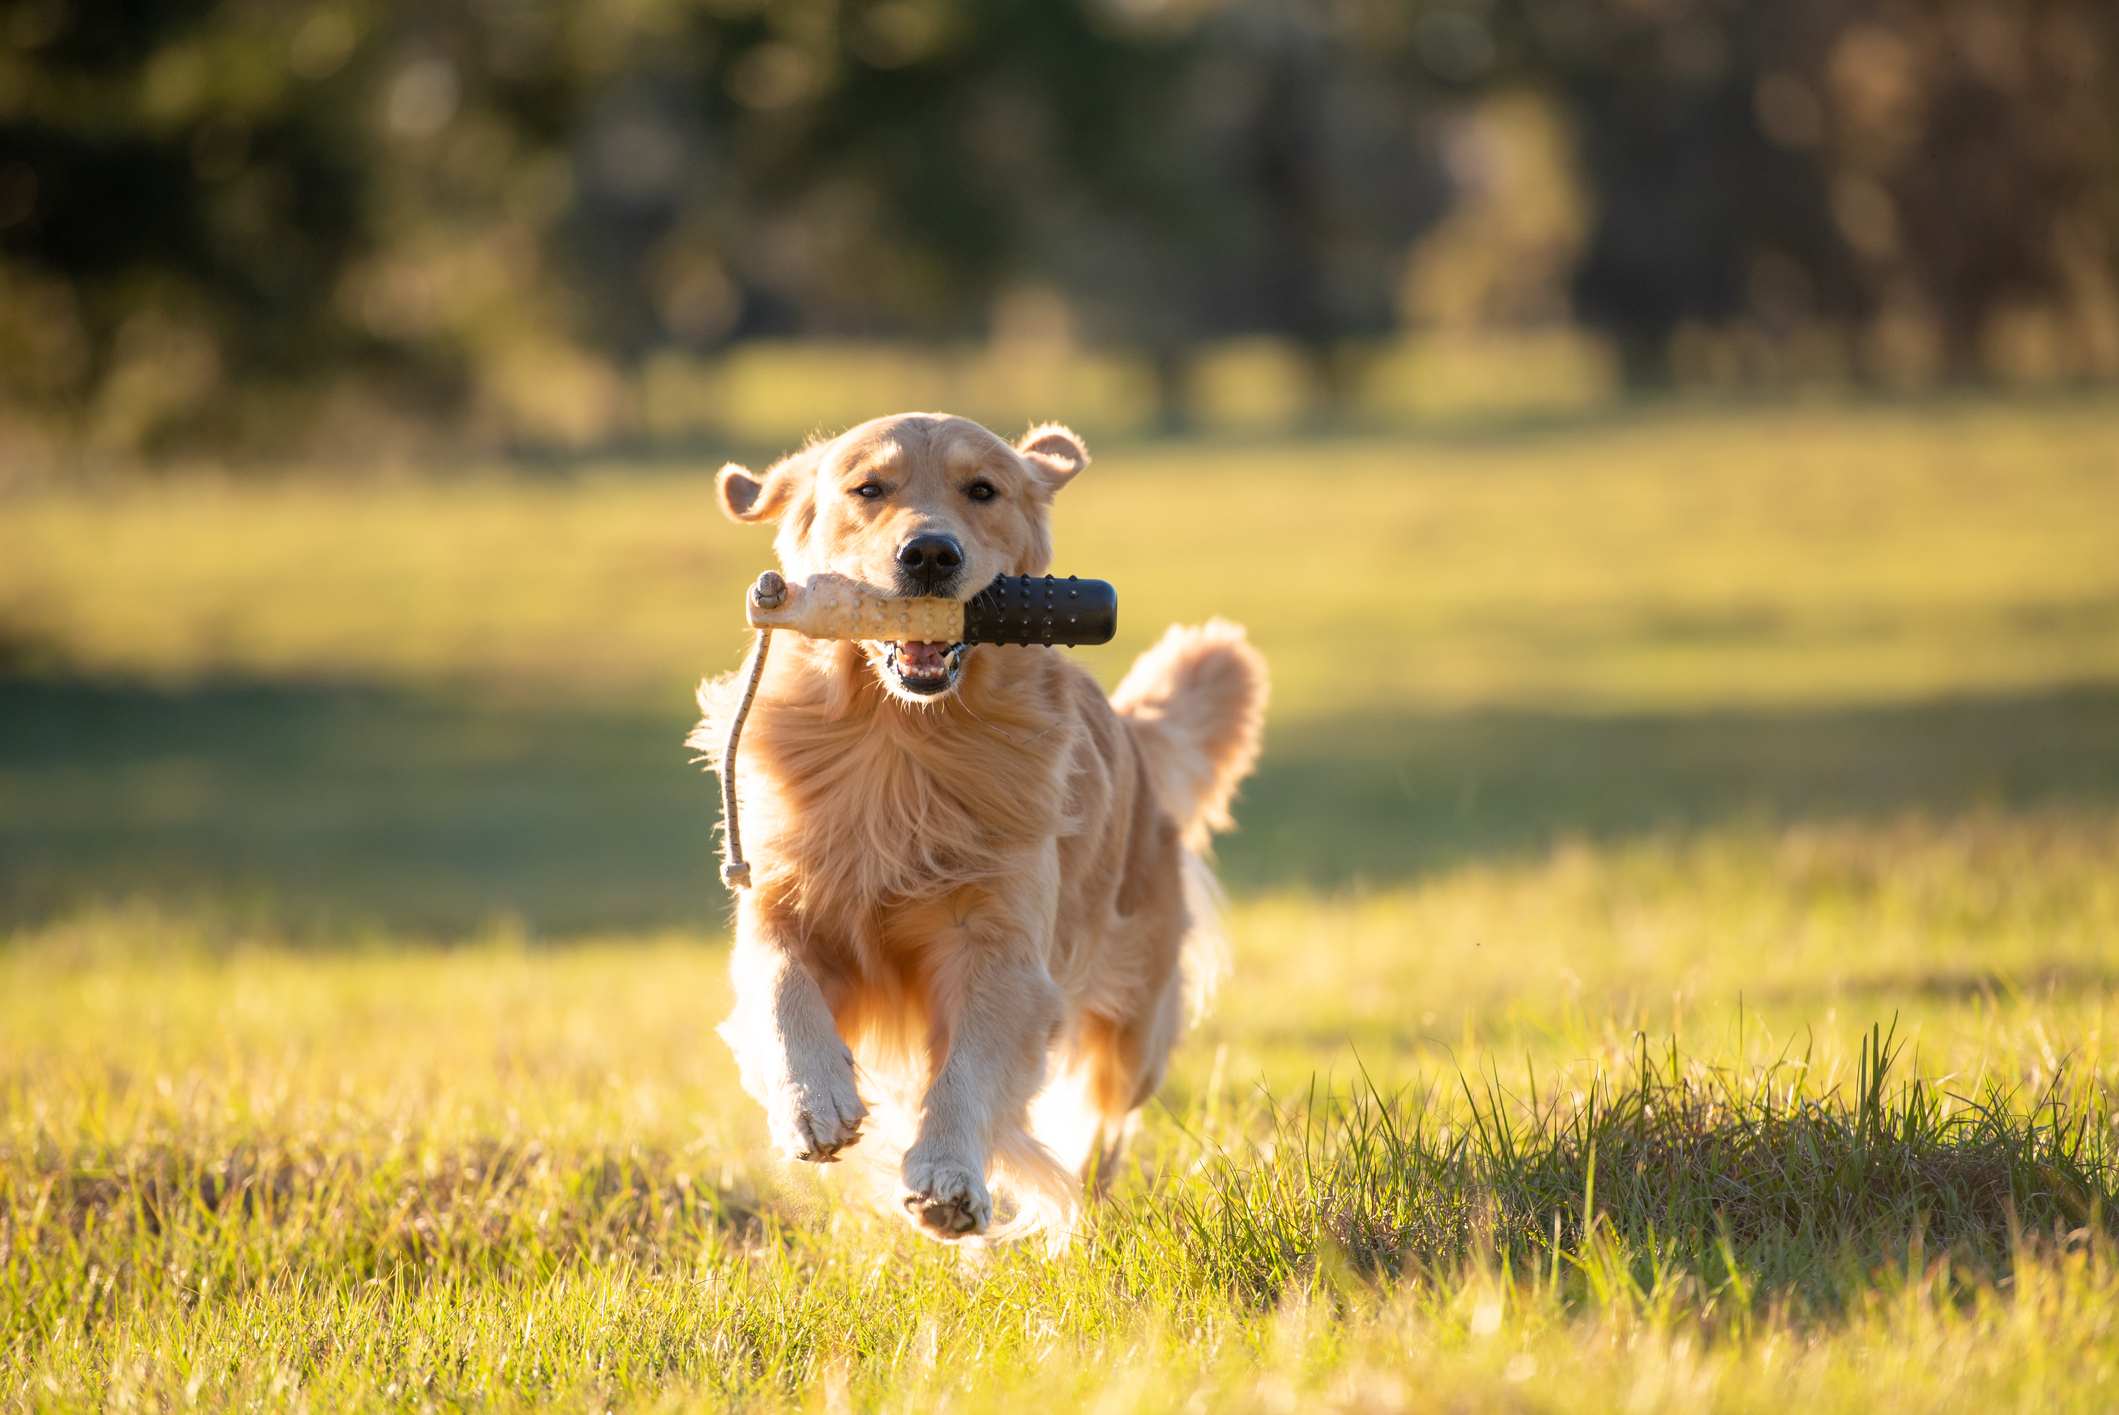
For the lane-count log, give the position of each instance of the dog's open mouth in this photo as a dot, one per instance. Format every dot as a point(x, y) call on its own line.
point(924, 669)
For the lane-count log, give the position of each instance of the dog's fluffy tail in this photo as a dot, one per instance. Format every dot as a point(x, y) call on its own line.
point(1196, 706)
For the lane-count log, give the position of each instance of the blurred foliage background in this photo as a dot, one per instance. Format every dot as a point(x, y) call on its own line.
point(369, 228)
point(1391, 270)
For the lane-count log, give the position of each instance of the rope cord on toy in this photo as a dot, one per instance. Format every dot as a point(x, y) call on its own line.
point(735, 871)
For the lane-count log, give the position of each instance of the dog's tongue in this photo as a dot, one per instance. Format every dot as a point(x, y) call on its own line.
point(922, 660)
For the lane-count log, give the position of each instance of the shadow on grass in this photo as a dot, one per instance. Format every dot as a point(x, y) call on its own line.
point(341, 808)
point(338, 809)
point(1384, 798)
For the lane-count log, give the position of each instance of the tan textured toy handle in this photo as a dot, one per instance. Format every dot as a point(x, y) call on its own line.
point(834, 607)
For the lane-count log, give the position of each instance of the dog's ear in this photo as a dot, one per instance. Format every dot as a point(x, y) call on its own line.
point(1054, 453)
point(749, 498)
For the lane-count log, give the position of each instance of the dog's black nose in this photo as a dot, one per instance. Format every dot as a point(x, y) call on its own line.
point(931, 560)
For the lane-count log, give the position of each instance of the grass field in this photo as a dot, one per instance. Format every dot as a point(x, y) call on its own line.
point(1676, 922)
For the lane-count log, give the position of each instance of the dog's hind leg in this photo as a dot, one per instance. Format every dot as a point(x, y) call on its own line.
point(1125, 1064)
point(787, 1046)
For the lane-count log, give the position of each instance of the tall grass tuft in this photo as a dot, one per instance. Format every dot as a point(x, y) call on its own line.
point(1725, 1175)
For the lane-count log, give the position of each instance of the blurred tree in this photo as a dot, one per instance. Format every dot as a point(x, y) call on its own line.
point(167, 216)
point(494, 202)
point(1936, 177)
point(274, 219)
point(897, 168)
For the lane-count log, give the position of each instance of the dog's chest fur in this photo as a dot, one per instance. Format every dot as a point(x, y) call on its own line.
point(860, 802)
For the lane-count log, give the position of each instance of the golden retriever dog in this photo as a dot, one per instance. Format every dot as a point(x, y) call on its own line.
point(978, 908)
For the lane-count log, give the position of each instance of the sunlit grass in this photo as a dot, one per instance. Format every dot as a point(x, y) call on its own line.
point(1950, 924)
point(1771, 557)
point(1676, 930)
point(511, 1174)
point(1776, 558)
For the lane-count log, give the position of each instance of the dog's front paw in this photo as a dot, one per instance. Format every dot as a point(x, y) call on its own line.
point(818, 1114)
point(944, 1197)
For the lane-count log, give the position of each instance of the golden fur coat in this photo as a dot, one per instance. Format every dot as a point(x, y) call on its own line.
point(978, 906)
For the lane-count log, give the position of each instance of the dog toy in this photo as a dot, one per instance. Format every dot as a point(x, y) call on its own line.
point(1014, 610)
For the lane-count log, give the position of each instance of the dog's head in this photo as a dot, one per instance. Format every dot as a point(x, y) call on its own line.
point(916, 504)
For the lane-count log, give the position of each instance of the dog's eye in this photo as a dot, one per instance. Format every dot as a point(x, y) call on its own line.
point(980, 491)
point(868, 490)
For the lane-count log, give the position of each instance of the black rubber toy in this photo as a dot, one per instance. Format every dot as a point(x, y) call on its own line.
point(1042, 609)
